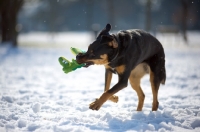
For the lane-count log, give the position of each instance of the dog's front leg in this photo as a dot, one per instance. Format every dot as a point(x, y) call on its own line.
point(108, 78)
point(109, 93)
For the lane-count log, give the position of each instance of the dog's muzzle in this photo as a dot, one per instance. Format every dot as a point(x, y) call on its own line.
point(82, 59)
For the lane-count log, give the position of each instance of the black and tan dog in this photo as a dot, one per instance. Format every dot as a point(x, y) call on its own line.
point(131, 54)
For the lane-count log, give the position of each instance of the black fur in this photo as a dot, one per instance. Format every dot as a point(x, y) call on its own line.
point(137, 46)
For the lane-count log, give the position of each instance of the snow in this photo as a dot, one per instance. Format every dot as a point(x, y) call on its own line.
point(36, 95)
point(36, 107)
point(21, 123)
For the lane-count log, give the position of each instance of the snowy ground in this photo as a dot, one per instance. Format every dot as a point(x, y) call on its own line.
point(35, 95)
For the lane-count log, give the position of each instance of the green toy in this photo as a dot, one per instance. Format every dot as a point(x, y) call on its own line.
point(73, 65)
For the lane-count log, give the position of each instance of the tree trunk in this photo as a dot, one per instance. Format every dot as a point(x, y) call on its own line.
point(185, 6)
point(111, 13)
point(89, 14)
point(148, 16)
point(9, 10)
point(13, 32)
point(4, 26)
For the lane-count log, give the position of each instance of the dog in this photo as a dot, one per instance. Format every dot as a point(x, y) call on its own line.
point(130, 54)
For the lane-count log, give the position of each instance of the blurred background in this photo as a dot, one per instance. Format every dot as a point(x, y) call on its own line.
point(65, 22)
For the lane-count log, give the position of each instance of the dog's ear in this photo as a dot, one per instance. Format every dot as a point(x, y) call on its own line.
point(105, 31)
point(108, 27)
point(110, 40)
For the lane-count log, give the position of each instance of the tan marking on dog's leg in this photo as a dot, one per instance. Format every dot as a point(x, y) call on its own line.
point(135, 83)
point(96, 105)
point(154, 88)
point(108, 80)
point(120, 69)
point(113, 98)
point(135, 77)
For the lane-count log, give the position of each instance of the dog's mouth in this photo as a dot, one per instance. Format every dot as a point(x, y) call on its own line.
point(82, 59)
point(87, 64)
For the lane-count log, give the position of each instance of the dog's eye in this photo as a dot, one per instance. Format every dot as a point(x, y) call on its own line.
point(91, 53)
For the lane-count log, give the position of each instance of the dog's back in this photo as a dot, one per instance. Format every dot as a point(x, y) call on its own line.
point(141, 46)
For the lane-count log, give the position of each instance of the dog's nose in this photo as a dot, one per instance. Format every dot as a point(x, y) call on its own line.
point(79, 58)
point(79, 55)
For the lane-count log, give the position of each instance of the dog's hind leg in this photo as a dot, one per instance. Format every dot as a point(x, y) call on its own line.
point(108, 78)
point(157, 76)
point(135, 77)
point(155, 87)
point(135, 83)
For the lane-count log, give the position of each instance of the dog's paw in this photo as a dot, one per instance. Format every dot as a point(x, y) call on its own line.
point(155, 106)
point(96, 105)
point(114, 98)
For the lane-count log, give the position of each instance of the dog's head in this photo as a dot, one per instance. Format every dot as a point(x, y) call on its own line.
point(100, 51)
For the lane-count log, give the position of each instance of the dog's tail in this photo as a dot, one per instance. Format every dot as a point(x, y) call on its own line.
point(162, 66)
point(163, 76)
point(157, 65)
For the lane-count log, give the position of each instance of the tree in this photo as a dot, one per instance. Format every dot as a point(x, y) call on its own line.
point(111, 12)
point(8, 13)
point(184, 17)
point(148, 15)
point(89, 13)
